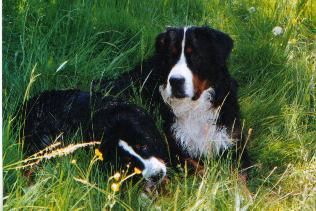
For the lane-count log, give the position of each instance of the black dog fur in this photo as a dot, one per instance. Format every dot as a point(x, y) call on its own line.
point(207, 59)
point(105, 119)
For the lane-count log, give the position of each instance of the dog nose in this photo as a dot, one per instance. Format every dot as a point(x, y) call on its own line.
point(176, 82)
point(157, 177)
point(177, 86)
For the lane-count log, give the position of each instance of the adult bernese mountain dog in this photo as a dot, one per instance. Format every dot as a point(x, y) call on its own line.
point(127, 133)
point(188, 78)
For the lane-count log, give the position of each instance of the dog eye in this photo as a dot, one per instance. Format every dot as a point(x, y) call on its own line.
point(144, 148)
point(174, 50)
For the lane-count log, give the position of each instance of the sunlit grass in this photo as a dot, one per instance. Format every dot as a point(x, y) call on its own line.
point(62, 44)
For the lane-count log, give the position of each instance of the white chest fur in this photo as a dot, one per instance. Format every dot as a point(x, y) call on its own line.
point(195, 125)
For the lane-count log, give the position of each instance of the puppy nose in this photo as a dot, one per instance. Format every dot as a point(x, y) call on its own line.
point(157, 177)
point(176, 81)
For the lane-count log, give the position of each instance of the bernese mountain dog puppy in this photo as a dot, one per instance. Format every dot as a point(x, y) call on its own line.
point(188, 78)
point(127, 133)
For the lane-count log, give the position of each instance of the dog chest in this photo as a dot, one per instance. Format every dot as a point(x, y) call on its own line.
point(198, 135)
point(195, 127)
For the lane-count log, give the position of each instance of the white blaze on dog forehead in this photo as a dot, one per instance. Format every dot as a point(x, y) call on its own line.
point(152, 166)
point(181, 69)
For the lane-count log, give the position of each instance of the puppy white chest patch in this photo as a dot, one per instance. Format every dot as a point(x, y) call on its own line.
point(195, 125)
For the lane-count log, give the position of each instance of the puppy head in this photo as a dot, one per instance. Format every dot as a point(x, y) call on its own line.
point(153, 168)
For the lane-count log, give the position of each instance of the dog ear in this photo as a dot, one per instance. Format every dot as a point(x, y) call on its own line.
point(222, 42)
point(226, 43)
point(161, 42)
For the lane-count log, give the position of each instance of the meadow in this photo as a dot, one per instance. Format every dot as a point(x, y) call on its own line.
point(58, 44)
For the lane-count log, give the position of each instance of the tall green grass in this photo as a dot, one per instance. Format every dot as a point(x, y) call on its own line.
point(66, 44)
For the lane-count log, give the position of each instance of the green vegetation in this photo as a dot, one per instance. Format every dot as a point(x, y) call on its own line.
point(85, 40)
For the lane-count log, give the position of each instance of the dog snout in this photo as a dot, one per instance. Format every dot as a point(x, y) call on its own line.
point(176, 81)
point(177, 86)
point(158, 177)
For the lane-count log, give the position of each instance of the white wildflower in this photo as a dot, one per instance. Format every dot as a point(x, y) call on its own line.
point(277, 30)
point(252, 10)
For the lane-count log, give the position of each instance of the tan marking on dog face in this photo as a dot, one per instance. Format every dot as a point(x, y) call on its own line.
point(199, 86)
point(188, 50)
point(174, 50)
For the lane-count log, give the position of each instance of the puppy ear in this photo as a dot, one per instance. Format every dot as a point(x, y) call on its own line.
point(161, 42)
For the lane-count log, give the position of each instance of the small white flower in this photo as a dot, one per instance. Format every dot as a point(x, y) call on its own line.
point(277, 30)
point(252, 10)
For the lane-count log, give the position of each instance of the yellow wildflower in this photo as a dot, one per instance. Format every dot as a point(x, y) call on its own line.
point(294, 21)
point(117, 176)
point(137, 171)
point(98, 154)
point(293, 41)
point(73, 161)
point(115, 187)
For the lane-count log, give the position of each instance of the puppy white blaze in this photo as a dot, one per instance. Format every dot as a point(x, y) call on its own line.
point(181, 70)
point(153, 166)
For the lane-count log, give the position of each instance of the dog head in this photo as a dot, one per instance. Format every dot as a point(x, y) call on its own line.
point(192, 59)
